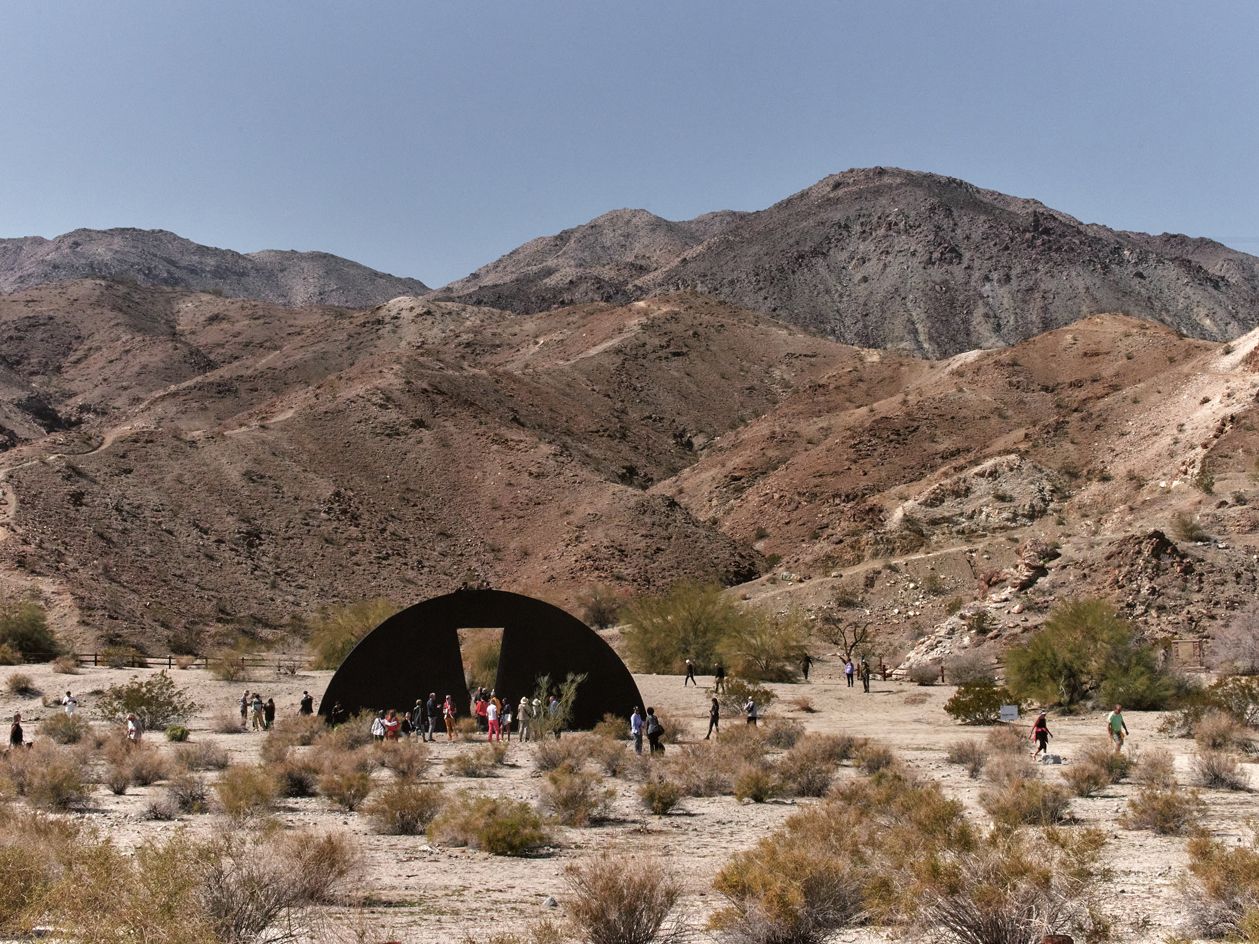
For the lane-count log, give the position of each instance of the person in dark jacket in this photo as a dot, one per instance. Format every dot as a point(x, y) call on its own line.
point(16, 737)
point(714, 719)
point(307, 705)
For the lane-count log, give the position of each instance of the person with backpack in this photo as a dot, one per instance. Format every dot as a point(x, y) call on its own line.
point(1040, 734)
point(636, 730)
point(749, 711)
point(655, 730)
point(714, 719)
point(307, 705)
point(337, 714)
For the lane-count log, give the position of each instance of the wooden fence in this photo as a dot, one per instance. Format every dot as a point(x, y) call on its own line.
point(280, 664)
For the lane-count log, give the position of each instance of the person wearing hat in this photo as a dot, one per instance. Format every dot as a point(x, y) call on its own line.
point(524, 713)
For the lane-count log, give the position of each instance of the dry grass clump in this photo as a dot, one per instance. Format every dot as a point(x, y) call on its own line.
point(1220, 731)
point(1026, 803)
point(611, 756)
point(64, 728)
point(702, 770)
point(1219, 770)
point(299, 730)
point(1155, 768)
point(247, 792)
point(1099, 766)
point(65, 665)
point(148, 765)
point(660, 794)
point(356, 732)
point(407, 760)
point(809, 767)
point(613, 727)
point(202, 755)
point(494, 825)
point(1004, 769)
point(21, 685)
point(872, 757)
point(551, 753)
point(298, 776)
point(1169, 812)
point(803, 704)
point(1004, 739)
point(404, 808)
point(481, 761)
point(783, 733)
point(575, 797)
point(49, 777)
point(969, 754)
point(227, 721)
point(188, 793)
point(1224, 890)
point(613, 901)
point(755, 782)
point(345, 780)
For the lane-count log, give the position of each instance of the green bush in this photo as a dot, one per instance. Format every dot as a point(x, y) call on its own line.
point(736, 691)
point(246, 792)
point(335, 631)
point(660, 795)
point(600, 606)
point(689, 621)
point(764, 646)
point(978, 702)
point(24, 629)
point(1087, 651)
point(492, 824)
point(574, 797)
point(156, 701)
point(404, 809)
point(177, 733)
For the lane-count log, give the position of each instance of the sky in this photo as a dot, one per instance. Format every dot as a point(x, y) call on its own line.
point(428, 138)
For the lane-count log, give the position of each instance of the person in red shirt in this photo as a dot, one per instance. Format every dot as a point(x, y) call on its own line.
point(392, 725)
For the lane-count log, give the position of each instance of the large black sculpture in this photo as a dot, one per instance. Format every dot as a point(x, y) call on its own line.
point(416, 652)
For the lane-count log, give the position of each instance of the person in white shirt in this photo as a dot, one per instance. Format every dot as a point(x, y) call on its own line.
point(70, 703)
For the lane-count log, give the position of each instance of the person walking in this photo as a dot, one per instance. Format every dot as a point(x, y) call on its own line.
point(553, 716)
point(337, 715)
point(492, 727)
point(714, 719)
point(865, 675)
point(1116, 727)
point(636, 730)
point(378, 727)
point(805, 664)
point(655, 730)
point(690, 674)
point(307, 705)
point(749, 710)
point(134, 729)
point(1041, 735)
point(431, 713)
point(255, 712)
point(268, 714)
point(448, 716)
point(849, 671)
point(16, 737)
point(244, 710)
point(719, 678)
point(523, 713)
point(70, 704)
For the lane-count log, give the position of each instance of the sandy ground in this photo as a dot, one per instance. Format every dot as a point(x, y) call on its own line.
point(414, 892)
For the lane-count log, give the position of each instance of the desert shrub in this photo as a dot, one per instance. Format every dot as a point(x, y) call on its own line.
point(65, 665)
point(336, 630)
point(600, 606)
point(299, 730)
point(64, 728)
point(187, 793)
point(21, 685)
point(783, 733)
point(157, 701)
point(24, 630)
point(969, 666)
point(1219, 770)
point(1236, 695)
point(1087, 650)
point(298, 777)
point(118, 778)
point(407, 760)
point(1219, 730)
point(755, 782)
point(404, 808)
point(147, 765)
point(246, 792)
point(1005, 769)
point(1169, 812)
point(185, 662)
point(612, 727)
point(1224, 891)
point(229, 665)
point(227, 721)
point(481, 761)
point(660, 794)
point(969, 754)
point(978, 702)
point(872, 757)
point(736, 691)
point(1026, 803)
point(550, 753)
point(122, 657)
point(803, 704)
point(1096, 767)
point(1155, 768)
point(575, 797)
point(809, 767)
point(556, 718)
point(9, 655)
point(924, 674)
point(177, 733)
point(609, 755)
point(702, 770)
point(764, 646)
point(344, 781)
point(689, 621)
point(51, 778)
point(201, 755)
point(354, 733)
point(494, 825)
point(677, 729)
point(613, 901)
point(1005, 739)
point(1186, 527)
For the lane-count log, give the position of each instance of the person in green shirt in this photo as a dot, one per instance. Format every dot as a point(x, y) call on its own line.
point(1116, 727)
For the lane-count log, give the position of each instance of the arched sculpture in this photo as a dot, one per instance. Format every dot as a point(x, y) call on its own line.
point(416, 652)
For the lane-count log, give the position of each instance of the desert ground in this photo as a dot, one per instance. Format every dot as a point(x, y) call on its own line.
point(412, 891)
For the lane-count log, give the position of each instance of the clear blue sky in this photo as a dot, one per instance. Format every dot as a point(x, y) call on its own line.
point(427, 138)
